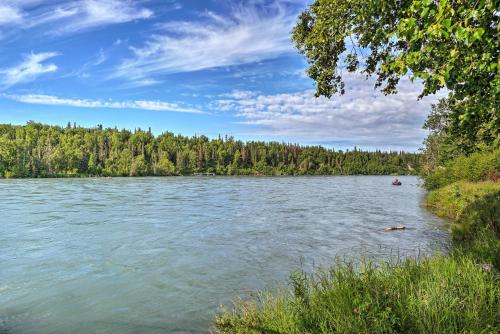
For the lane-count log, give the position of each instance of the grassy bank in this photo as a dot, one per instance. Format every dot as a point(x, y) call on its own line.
point(454, 293)
point(459, 200)
point(472, 207)
point(474, 213)
point(437, 295)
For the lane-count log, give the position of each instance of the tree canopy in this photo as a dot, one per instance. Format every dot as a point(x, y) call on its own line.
point(37, 150)
point(450, 44)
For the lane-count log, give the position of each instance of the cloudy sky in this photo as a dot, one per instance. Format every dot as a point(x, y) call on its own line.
point(192, 67)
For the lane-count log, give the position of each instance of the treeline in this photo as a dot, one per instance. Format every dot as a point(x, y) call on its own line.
point(38, 150)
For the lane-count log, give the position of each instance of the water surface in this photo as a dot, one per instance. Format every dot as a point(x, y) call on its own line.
point(159, 255)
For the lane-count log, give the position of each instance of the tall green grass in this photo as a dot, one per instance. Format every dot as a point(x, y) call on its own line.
point(474, 210)
point(437, 295)
point(472, 206)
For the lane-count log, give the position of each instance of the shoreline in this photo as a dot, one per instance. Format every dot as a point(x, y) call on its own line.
point(207, 176)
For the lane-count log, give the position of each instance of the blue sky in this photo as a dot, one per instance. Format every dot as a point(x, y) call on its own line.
point(192, 67)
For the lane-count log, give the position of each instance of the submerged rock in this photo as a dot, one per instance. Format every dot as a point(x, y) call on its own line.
point(394, 228)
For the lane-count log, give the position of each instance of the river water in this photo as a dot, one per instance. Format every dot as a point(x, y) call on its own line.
point(159, 255)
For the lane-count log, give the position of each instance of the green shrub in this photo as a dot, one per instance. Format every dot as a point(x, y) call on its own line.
point(438, 295)
point(479, 166)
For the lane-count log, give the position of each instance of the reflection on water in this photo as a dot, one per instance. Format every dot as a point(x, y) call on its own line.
point(158, 255)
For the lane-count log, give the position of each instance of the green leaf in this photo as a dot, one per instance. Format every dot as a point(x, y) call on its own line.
point(447, 23)
point(425, 12)
point(441, 79)
point(478, 34)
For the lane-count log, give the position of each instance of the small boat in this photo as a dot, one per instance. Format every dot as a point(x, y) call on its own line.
point(396, 183)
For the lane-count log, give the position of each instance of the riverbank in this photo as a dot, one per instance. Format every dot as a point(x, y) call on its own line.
point(474, 213)
point(444, 294)
point(450, 293)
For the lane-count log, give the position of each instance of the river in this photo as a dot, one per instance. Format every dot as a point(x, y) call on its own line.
point(159, 255)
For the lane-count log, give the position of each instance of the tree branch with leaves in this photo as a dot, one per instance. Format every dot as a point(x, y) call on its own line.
point(444, 44)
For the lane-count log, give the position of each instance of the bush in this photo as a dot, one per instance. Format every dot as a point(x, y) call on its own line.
point(437, 295)
point(479, 166)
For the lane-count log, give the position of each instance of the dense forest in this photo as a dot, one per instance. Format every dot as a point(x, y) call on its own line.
point(38, 150)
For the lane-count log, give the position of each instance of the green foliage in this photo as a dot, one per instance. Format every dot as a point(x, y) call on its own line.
point(445, 44)
point(475, 212)
point(437, 295)
point(454, 200)
point(440, 145)
point(478, 166)
point(471, 205)
point(484, 248)
point(37, 150)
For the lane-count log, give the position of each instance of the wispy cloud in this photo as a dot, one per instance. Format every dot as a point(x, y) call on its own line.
point(89, 14)
point(9, 15)
point(67, 17)
point(248, 34)
point(32, 66)
point(240, 94)
point(108, 104)
point(363, 116)
point(84, 71)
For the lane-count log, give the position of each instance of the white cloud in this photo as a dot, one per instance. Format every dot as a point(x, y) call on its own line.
point(240, 94)
point(361, 117)
point(100, 58)
point(52, 15)
point(70, 16)
point(9, 15)
point(90, 14)
point(109, 104)
point(28, 70)
point(249, 34)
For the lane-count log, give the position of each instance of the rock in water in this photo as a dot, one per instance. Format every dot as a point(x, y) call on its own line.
point(394, 228)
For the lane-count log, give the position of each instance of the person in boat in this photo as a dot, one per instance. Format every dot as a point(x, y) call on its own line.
point(396, 182)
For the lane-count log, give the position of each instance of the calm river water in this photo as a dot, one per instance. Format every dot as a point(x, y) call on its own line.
point(159, 255)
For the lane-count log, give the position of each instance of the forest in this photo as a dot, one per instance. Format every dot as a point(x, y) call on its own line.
point(38, 150)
